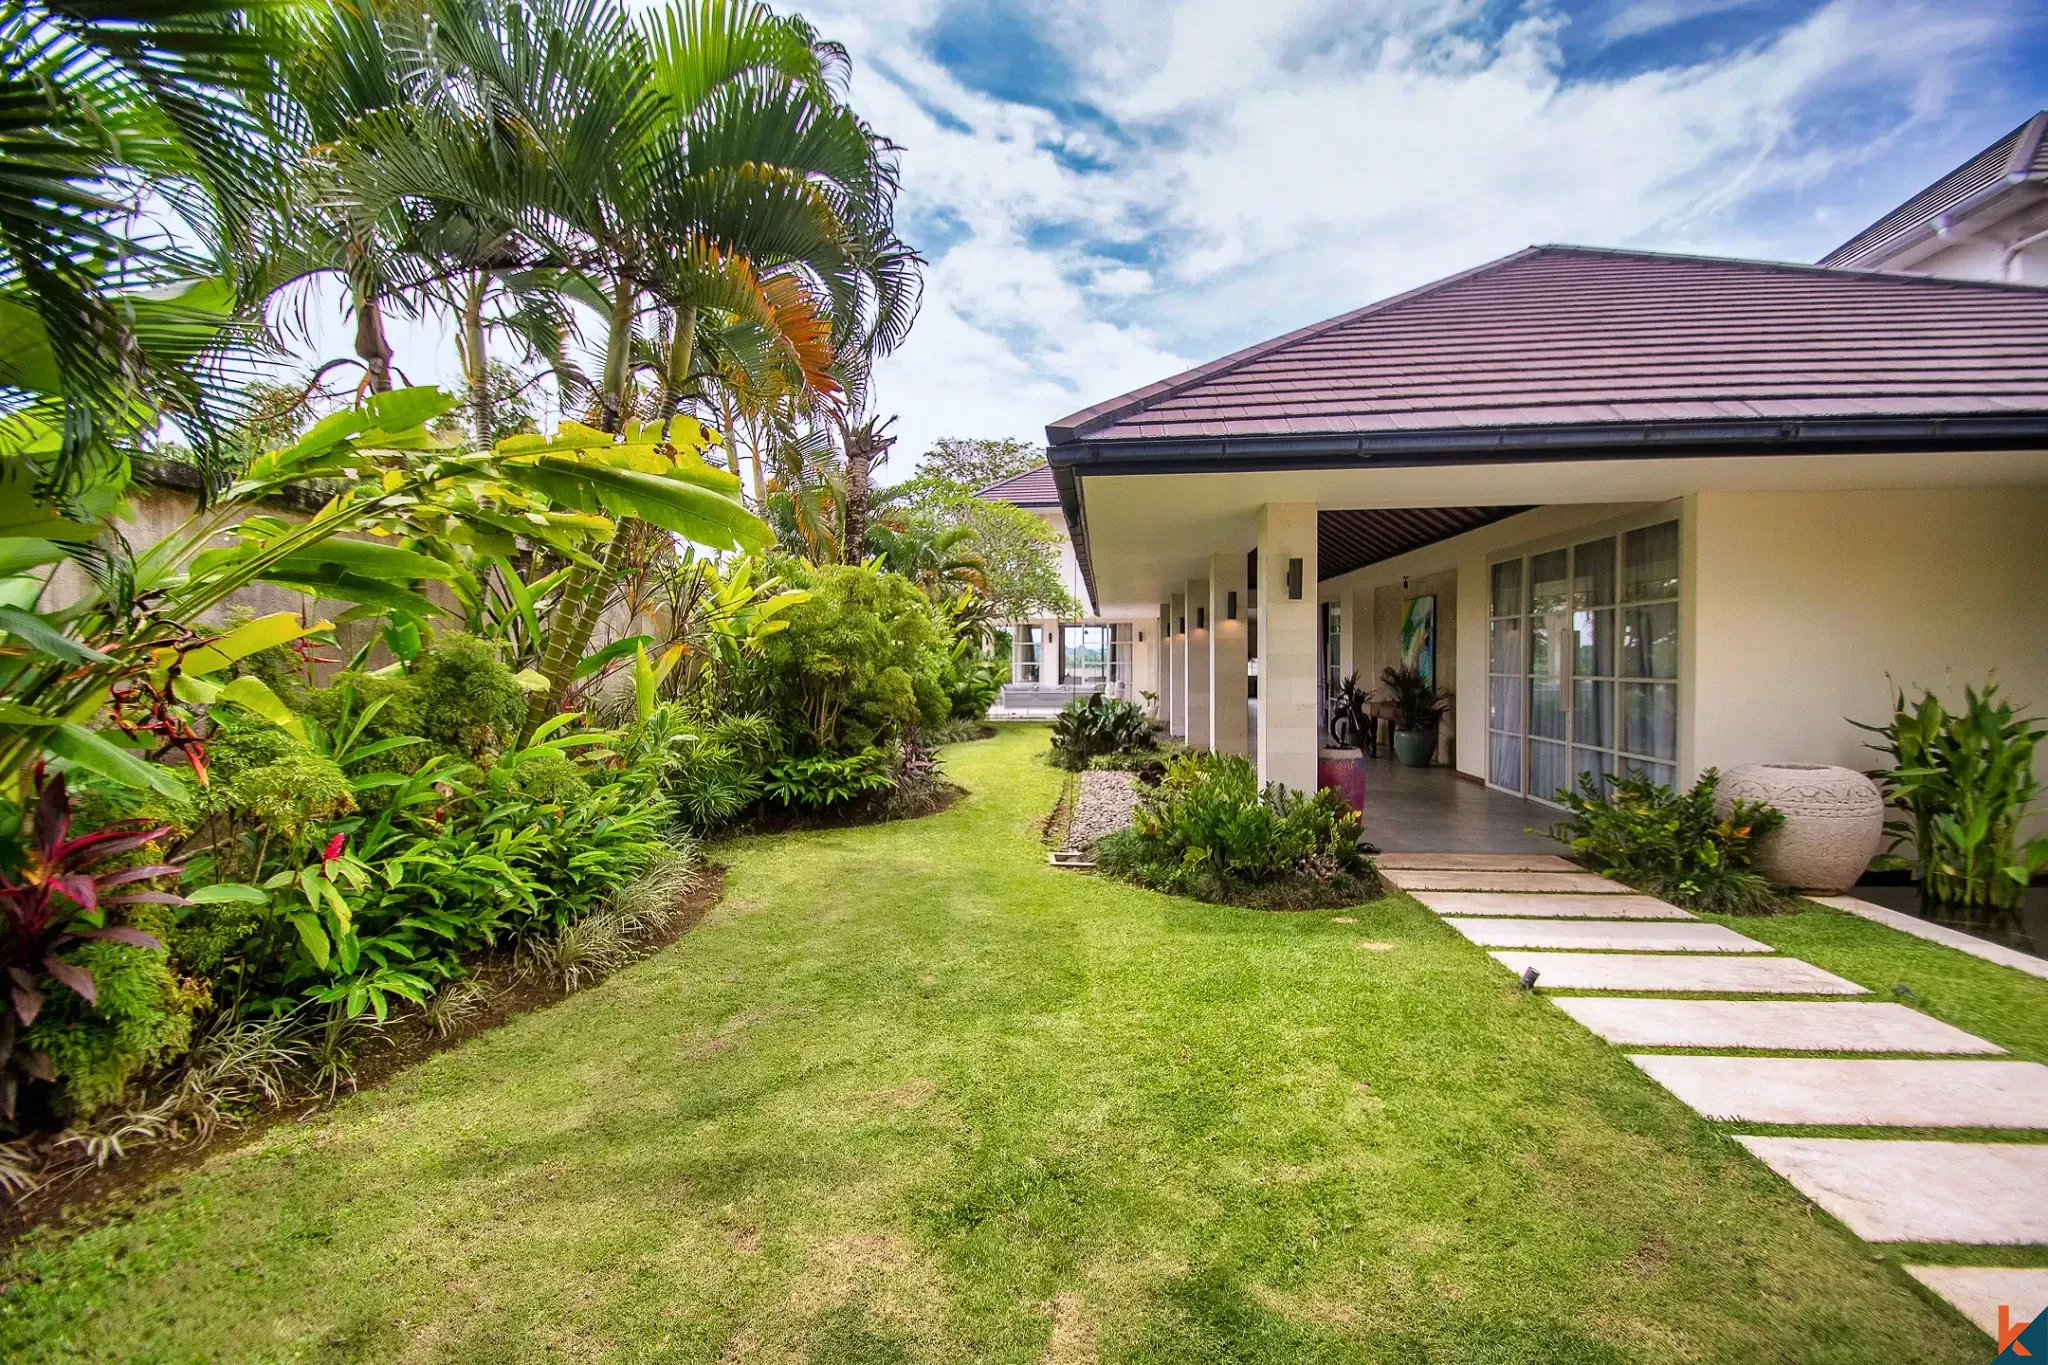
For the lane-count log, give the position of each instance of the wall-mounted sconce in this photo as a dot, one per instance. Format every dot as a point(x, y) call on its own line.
point(1201, 618)
point(1141, 637)
point(1230, 606)
point(1182, 628)
point(1294, 580)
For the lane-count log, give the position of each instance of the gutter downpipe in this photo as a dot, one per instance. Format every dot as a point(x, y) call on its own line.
point(2011, 255)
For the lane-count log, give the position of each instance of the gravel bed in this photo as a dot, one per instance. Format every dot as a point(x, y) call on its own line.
point(1103, 807)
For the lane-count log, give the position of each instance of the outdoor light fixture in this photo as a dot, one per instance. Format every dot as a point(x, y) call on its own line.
point(1230, 606)
point(1201, 618)
point(1294, 580)
point(1182, 628)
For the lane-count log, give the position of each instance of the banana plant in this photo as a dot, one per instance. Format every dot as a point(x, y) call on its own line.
point(394, 498)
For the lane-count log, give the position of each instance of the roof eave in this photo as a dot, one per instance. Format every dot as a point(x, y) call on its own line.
point(1520, 445)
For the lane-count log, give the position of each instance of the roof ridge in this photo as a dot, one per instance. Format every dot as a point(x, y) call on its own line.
point(1802, 268)
point(1075, 425)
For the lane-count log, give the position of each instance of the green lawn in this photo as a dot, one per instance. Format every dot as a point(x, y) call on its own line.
point(911, 1095)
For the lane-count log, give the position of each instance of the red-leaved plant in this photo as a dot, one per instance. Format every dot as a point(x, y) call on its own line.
point(55, 900)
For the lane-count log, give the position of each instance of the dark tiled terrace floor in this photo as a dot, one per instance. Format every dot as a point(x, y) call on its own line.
point(1432, 810)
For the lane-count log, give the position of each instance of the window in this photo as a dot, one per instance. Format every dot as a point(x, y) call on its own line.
point(1029, 658)
point(1085, 655)
point(1582, 670)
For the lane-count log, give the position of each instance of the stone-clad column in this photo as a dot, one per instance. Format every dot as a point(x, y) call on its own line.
point(1198, 662)
point(1229, 611)
point(1178, 725)
point(1162, 672)
point(1287, 644)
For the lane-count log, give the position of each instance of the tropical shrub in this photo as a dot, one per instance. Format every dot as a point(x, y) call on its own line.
point(1671, 844)
point(1092, 725)
point(1209, 830)
point(1964, 780)
point(824, 780)
point(860, 663)
point(57, 908)
point(972, 680)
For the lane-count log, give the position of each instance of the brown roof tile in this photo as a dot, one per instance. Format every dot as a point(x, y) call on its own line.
point(2020, 155)
point(1032, 488)
point(1575, 335)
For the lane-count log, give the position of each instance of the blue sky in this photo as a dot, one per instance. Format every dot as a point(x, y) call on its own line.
point(1111, 193)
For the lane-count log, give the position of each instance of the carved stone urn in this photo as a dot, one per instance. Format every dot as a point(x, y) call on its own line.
point(1834, 821)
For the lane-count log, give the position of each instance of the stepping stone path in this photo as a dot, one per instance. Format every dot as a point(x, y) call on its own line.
point(1980, 1293)
point(1777, 1025)
point(1696, 974)
point(1554, 905)
point(1921, 1191)
point(1474, 862)
point(1424, 879)
point(1883, 1190)
point(1624, 935)
point(1830, 1090)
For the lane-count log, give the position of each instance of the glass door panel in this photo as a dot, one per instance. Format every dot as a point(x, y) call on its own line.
point(1582, 655)
point(1507, 675)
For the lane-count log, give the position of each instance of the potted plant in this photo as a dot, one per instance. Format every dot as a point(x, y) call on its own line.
point(1418, 708)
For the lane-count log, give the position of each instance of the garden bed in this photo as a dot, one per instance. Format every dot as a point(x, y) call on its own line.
point(868, 810)
point(84, 1192)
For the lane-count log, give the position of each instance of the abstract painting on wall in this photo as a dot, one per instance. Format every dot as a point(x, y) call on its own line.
point(1418, 636)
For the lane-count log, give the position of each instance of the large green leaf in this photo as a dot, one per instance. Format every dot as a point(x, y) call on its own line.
point(698, 514)
point(95, 753)
point(368, 558)
point(329, 581)
point(37, 633)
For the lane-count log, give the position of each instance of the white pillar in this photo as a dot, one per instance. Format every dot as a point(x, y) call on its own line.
point(1162, 664)
point(1229, 611)
point(1198, 662)
point(1287, 644)
point(1178, 725)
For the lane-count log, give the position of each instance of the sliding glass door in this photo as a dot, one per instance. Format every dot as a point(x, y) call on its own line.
point(1583, 663)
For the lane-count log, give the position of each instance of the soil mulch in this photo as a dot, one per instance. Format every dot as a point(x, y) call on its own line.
point(869, 810)
point(90, 1194)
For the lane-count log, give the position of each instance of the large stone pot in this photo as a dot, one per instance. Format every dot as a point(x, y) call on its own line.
point(1834, 821)
point(1415, 748)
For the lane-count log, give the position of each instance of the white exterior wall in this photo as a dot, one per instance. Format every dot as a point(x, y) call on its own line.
point(1803, 611)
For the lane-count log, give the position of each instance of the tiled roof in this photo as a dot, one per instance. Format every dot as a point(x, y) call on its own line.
point(1584, 338)
point(1032, 488)
point(2021, 155)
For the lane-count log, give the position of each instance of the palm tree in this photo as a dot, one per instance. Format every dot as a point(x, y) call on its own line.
point(102, 108)
point(695, 161)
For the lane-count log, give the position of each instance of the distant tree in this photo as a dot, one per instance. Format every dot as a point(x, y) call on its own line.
point(971, 464)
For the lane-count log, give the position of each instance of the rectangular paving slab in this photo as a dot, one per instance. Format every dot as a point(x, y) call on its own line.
point(1978, 1292)
point(1565, 905)
point(1823, 1090)
point(1476, 862)
point(1777, 1025)
point(1986, 1193)
point(1673, 972)
point(1625, 935)
point(1425, 879)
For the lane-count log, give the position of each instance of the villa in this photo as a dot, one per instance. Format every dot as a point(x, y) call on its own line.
point(1635, 510)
